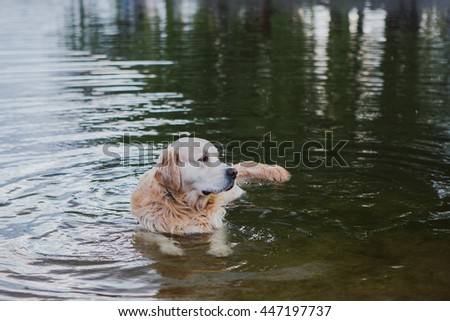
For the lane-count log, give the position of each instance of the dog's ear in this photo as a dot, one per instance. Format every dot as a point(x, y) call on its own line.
point(167, 172)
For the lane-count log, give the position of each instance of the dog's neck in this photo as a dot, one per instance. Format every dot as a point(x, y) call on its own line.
point(193, 199)
point(170, 195)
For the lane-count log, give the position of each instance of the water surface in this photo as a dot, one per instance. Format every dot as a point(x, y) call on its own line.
point(77, 76)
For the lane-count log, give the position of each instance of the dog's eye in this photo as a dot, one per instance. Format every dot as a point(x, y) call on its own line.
point(204, 159)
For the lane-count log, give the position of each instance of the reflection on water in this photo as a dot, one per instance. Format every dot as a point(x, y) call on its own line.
point(80, 74)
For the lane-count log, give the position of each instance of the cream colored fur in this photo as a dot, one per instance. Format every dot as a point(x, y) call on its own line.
point(170, 198)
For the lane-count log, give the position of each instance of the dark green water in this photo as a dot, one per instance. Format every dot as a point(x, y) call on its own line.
point(76, 75)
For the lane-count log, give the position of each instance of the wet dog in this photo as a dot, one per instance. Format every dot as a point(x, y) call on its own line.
point(188, 189)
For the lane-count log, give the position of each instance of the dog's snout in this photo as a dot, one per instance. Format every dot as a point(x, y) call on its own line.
point(232, 172)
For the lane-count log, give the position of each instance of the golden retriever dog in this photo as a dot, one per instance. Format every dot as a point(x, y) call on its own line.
point(188, 189)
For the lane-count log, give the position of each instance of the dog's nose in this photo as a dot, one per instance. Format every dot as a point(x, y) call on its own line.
point(232, 172)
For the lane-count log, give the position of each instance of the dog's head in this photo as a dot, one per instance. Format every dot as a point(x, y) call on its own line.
point(191, 166)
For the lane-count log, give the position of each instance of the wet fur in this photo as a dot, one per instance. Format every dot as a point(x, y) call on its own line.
point(161, 205)
point(174, 213)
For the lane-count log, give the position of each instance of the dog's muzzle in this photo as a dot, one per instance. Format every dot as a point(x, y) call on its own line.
point(231, 174)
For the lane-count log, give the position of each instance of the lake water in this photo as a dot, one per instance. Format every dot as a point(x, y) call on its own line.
point(84, 83)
